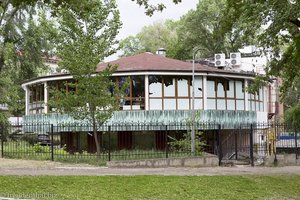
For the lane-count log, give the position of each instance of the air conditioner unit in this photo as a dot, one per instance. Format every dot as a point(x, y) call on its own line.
point(219, 59)
point(235, 59)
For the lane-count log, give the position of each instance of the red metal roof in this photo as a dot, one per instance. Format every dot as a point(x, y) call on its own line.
point(151, 62)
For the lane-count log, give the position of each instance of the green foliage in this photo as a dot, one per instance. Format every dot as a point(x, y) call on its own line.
point(150, 8)
point(37, 148)
point(205, 28)
point(131, 46)
point(278, 22)
point(87, 35)
point(3, 126)
point(292, 96)
point(26, 34)
point(184, 144)
point(161, 34)
point(31, 139)
point(292, 116)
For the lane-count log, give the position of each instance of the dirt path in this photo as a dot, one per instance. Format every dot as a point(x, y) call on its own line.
point(34, 168)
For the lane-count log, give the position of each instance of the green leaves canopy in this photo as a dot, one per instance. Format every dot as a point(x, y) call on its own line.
point(87, 35)
point(280, 33)
point(24, 39)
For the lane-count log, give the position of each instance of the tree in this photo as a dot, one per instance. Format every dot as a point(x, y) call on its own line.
point(88, 34)
point(291, 105)
point(204, 28)
point(279, 25)
point(150, 8)
point(184, 144)
point(131, 46)
point(24, 38)
point(151, 38)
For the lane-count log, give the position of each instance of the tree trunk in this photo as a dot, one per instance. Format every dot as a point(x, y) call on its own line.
point(96, 139)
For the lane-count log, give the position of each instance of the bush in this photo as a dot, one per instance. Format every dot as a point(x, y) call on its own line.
point(37, 148)
point(31, 139)
point(184, 144)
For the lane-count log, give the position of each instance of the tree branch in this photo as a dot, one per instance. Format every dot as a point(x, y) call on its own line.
point(3, 14)
point(296, 22)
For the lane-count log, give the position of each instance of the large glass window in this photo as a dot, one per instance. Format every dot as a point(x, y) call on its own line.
point(183, 90)
point(198, 92)
point(198, 86)
point(169, 104)
point(255, 99)
point(169, 86)
point(240, 95)
point(211, 88)
point(134, 97)
point(155, 104)
point(174, 92)
point(36, 99)
point(155, 92)
point(155, 86)
point(225, 94)
point(138, 92)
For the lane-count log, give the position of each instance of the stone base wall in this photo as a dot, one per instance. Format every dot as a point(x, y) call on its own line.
point(282, 160)
point(205, 161)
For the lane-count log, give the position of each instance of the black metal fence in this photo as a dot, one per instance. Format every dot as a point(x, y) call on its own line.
point(77, 142)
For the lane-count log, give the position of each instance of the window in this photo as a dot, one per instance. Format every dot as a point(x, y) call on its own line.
point(240, 95)
point(174, 93)
point(155, 92)
point(256, 99)
point(225, 94)
point(134, 97)
point(36, 99)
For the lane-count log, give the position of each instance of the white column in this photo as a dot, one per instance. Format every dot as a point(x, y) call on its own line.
point(146, 92)
point(27, 100)
point(246, 95)
point(204, 92)
point(45, 97)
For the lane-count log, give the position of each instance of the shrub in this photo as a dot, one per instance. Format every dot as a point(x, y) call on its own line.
point(31, 139)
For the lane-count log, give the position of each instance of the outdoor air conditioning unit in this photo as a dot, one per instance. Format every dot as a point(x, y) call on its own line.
point(219, 59)
point(235, 59)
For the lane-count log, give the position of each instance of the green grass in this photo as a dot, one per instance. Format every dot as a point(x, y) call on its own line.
point(152, 187)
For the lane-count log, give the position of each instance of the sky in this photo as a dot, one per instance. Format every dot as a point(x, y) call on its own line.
point(134, 18)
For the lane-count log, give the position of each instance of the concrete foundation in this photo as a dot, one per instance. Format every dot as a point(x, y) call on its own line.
point(282, 160)
point(204, 161)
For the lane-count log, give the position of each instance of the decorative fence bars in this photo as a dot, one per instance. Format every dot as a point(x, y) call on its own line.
point(76, 142)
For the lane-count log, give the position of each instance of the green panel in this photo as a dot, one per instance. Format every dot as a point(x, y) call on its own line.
point(125, 119)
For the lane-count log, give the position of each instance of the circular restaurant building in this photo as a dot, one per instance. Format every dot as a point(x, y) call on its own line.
point(160, 92)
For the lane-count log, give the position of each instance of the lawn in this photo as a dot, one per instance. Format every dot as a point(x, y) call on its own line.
point(151, 187)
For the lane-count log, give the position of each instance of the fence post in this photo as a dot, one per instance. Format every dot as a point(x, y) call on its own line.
point(236, 143)
point(109, 158)
point(251, 146)
point(219, 138)
point(296, 145)
point(2, 140)
point(52, 149)
point(166, 139)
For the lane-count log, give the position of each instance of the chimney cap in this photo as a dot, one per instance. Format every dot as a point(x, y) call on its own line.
point(161, 52)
